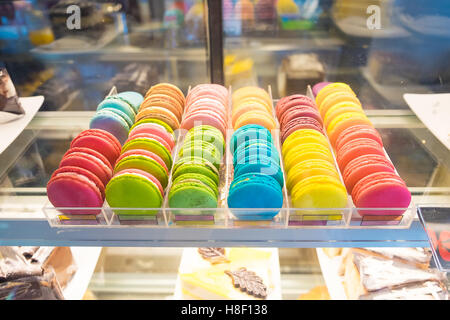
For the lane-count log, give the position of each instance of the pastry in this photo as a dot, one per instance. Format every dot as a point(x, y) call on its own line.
point(150, 144)
point(381, 190)
point(155, 121)
point(330, 88)
point(114, 102)
point(299, 124)
point(193, 191)
point(340, 108)
point(259, 163)
point(99, 140)
point(143, 160)
point(90, 160)
point(255, 190)
point(228, 273)
point(285, 103)
point(154, 129)
point(335, 98)
point(356, 148)
point(207, 134)
point(309, 168)
point(163, 101)
point(202, 149)
point(195, 165)
point(303, 136)
point(134, 99)
point(364, 165)
point(319, 86)
point(355, 132)
point(134, 188)
point(168, 89)
point(306, 152)
point(344, 121)
point(256, 147)
point(249, 132)
point(160, 113)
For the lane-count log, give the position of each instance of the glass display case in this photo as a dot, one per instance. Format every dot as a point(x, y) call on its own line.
point(74, 52)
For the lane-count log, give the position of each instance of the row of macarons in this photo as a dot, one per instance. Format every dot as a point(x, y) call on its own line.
point(368, 174)
point(312, 178)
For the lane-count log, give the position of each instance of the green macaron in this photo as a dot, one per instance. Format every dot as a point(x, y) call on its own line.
point(208, 134)
point(151, 145)
point(196, 177)
point(203, 149)
point(157, 121)
point(192, 193)
point(196, 165)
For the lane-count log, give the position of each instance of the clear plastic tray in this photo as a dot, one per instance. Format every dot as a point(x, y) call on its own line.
point(222, 217)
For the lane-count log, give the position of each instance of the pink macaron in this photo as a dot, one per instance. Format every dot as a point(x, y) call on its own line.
point(154, 129)
point(355, 148)
point(288, 102)
point(319, 86)
point(101, 141)
point(364, 165)
point(381, 190)
point(355, 132)
point(90, 160)
point(204, 117)
point(74, 187)
point(151, 136)
point(299, 111)
point(300, 123)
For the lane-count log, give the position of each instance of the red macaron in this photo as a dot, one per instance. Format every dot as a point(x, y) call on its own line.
point(101, 141)
point(364, 165)
point(355, 132)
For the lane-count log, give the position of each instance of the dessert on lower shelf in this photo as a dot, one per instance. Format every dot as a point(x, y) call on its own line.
point(229, 273)
point(35, 273)
point(391, 273)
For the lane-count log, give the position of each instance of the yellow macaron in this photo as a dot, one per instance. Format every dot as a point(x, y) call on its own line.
point(309, 168)
point(320, 191)
point(306, 152)
point(246, 107)
point(262, 118)
point(250, 91)
point(344, 121)
point(340, 108)
point(303, 136)
point(335, 98)
point(329, 89)
point(254, 99)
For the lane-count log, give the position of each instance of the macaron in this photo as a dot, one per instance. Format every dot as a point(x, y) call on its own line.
point(255, 191)
point(153, 129)
point(134, 188)
point(159, 113)
point(90, 160)
point(319, 191)
point(254, 99)
point(193, 191)
point(297, 112)
point(168, 89)
point(381, 190)
point(163, 101)
point(255, 147)
point(208, 134)
point(115, 102)
point(306, 152)
point(202, 149)
point(152, 145)
point(355, 132)
point(286, 103)
point(344, 121)
point(133, 98)
point(335, 98)
point(146, 161)
point(364, 165)
point(217, 91)
point(256, 117)
point(259, 163)
point(319, 86)
point(195, 165)
point(330, 88)
point(298, 124)
point(75, 187)
point(99, 140)
point(250, 91)
point(249, 132)
point(209, 117)
point(309, 168)
point(302, 136)
point(339, 109)
point(156, 121)
point(356, 148)
point(246, 108)
point(112, 120)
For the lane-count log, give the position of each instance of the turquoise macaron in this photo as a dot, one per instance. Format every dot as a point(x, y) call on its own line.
point(114, 121)
point(255, 147)
point(123, 106)
point(249, 132)
point(133, 98)
point(256, 191)
point(259, 164)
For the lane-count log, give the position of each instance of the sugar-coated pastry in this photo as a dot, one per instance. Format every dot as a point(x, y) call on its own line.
point(256, 191)
point(364, 165)
point(134, 188)
point(381, 190)
point(72, 187)
point(146, 161)
point(99, 140)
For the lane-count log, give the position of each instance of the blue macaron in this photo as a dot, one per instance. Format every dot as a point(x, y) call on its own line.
point(247, 133)
point(133, 98)
point(256, 191)
point(119, 104)
point(112, 120)
point(259, 164)
point(255, 147)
